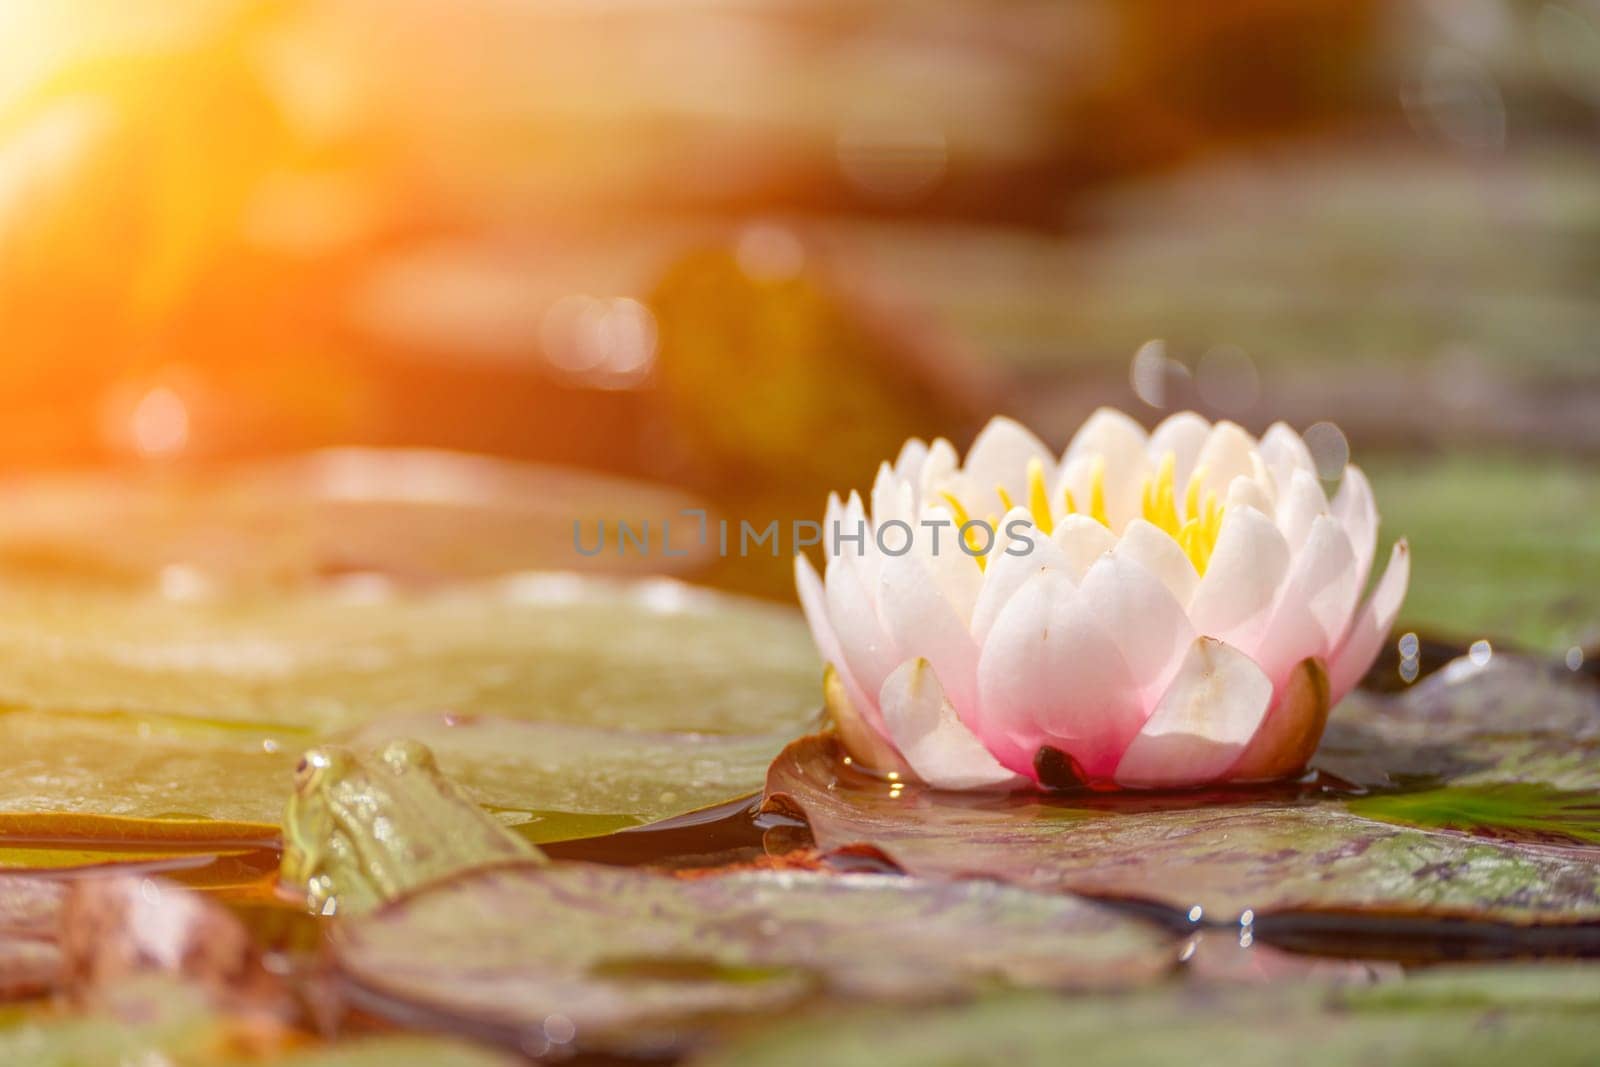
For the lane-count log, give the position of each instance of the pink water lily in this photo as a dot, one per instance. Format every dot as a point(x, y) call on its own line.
point(1151, 610)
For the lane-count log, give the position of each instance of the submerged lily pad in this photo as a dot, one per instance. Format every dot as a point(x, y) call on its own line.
point(642, 962)
point(1480, 1016)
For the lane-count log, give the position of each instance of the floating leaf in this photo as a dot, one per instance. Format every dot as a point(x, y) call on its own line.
point(555, 781)
point(574, 706)
point(1480, 1016)
point(1518, 810)
point(636, 961)
point(1224, 854)
point(643, 656)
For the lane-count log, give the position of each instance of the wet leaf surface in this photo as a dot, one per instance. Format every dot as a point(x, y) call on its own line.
point(573, 706)
point(642, 962)
point(1483, 1016)
point(1287, 848)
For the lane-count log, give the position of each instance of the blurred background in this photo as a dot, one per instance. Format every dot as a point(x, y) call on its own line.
point(729, 253)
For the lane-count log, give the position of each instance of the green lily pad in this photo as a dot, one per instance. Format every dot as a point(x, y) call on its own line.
point(555, 781)
point(646, 656)
point(575, 706)
point(1480, 1016)
point(640, 962)
point(1474, 795)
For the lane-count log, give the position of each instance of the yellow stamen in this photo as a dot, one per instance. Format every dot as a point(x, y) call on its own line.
point(962, 518)
point(1198, 538)
point(1191, 498)
point(1097, 492)
point(1038, 499)
point(1072, 505)
point(1005, 497)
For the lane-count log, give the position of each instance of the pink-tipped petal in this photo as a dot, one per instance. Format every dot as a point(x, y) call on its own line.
point(1006, 573)
point(869, 653)
point(1235, 598)
point(1316, 602)
point(1050, 676)
point(1354, 506)
point(929, 733)
point(1137, 612)
point(1292, 729)
point(1215, 704)
point(1371, 626)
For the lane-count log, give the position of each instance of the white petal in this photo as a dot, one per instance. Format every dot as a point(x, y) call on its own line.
point(1120, 442)
point(865, 554)
point(922, 622)
point(909, 463)
point(813, 605)
point(1154, 549)
point(867, 649)
point(938, 472)
point(1299, 505)
point(1224, 457)
point(930, 735)
point(1315, 604)
point(1371, 626)
point(1285, 453)
point(1140, 615)
point(1000, 456)
point(1050, 675)
point(866, 743)
point(1082, 542)
point(1006, 574)
point(1249, 493)
point(1354, 506)
point(1235, 598)
point(892, 500)
point(1183, 434)
point(1203, 722)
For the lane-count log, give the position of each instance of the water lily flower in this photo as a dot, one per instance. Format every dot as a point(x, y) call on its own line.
point(1151, 610)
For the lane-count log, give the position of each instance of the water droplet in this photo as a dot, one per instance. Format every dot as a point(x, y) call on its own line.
point(1195, 913)
point(1480, 652)
point(1409, 646)
point(1574, 658)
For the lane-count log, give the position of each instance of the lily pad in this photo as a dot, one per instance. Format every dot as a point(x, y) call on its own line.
point(408, 513)
point(1515, 737)
point(1480, 1016)
point(646, 656)
point(555, 781)
point(575, 706)
point(639, 962)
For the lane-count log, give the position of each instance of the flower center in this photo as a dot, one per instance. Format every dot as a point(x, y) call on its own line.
point(1194, 528)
